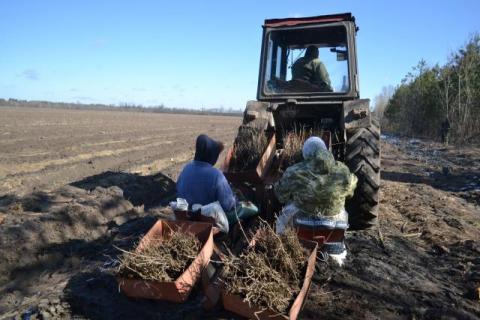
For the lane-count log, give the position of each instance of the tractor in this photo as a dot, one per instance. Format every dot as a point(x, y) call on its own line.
point(284, 103)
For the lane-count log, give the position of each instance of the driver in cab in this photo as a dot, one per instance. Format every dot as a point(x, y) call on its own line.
point(309, 68)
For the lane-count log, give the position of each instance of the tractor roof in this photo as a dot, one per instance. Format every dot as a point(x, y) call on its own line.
point(289, 22)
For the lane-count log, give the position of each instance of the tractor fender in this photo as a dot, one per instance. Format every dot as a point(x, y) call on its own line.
point(258, 113)
point(356, 114)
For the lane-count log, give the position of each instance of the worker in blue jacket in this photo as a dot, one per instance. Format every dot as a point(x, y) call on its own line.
point(200, 182)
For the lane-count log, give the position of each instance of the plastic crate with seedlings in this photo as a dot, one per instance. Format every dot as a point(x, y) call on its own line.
point(271, 277)
point(250, 156)
point(160, 260)
point(168, 261)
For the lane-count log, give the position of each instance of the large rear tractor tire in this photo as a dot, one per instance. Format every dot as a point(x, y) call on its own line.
point(363, 159)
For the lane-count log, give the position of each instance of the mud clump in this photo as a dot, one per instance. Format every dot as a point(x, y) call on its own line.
point(160, 260)
point(268, 274)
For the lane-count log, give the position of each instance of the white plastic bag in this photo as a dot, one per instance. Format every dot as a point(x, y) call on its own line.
point(196, 207)
point(285, 219)
point(180, 205)
point(339, 258)
point(214, 210)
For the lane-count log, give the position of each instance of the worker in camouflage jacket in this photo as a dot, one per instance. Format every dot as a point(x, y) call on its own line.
point(317, 186)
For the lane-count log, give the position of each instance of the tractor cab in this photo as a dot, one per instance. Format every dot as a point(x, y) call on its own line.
point(284, 53)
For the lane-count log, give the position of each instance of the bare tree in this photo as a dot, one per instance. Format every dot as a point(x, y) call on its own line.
point(381, 100)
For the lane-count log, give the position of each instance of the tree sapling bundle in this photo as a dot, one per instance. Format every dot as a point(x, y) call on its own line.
point(160, 260)
point(293, 143)
point(268, 274)
point(248, 148)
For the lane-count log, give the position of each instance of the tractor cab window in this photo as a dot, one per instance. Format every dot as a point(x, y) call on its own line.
point(312, 60)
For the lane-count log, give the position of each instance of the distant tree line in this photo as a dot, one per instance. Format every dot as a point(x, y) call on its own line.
point(429, 95)
point(122, 107)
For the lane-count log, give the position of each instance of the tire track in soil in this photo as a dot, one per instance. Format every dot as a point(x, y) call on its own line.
point(31, 168)
point(172, 166)
point(39, 149)
point(144, 159)
point(18, 125)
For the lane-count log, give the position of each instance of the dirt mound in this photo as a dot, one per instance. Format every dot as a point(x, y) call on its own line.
point(47, 232)
point(35, 238)
point(138, 189)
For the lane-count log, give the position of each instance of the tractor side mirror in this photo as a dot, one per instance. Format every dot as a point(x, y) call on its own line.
point(341, 56)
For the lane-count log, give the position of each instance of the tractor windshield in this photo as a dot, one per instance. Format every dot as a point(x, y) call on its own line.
point(306, 60)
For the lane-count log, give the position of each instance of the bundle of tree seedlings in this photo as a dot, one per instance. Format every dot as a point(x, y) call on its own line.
point(268, 274)
point(160, 260)
point(293, 143)
point(249, 146)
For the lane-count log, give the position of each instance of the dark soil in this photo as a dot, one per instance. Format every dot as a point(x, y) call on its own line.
point(423, 262)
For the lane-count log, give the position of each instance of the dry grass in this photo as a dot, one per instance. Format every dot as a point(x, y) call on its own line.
point(161, 260)
point(249, 146)
point(16, 207)
point(267, 275)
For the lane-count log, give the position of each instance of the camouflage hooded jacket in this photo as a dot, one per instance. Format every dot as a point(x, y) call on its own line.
point(318, 186)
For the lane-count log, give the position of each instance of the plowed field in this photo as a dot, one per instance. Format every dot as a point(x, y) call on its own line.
point(45, 148)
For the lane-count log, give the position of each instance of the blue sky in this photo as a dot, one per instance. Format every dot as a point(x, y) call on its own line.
point(200, 53)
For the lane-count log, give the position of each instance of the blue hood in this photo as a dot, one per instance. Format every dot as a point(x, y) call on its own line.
point(207, 149)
